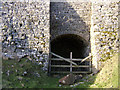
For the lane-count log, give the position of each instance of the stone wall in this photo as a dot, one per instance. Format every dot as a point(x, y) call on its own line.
point(25, 30)
point(94, 21)
point(70, 18)
point(104, 31)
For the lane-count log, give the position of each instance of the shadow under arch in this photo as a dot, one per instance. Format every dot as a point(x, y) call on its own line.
point(66, 43)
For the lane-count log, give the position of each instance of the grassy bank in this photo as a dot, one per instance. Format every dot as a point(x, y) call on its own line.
point(25, 74)
point(106, 78)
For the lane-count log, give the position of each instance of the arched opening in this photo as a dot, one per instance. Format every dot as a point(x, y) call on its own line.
point(64, 44)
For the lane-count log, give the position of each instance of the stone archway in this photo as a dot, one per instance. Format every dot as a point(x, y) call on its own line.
point(66, 43)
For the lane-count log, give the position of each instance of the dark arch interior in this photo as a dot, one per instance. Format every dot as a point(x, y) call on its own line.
point(64, 44)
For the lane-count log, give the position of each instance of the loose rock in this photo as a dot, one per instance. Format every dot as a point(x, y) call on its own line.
point(67, 80)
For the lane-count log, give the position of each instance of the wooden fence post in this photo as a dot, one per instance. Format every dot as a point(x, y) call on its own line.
point(71, 63)
point(90, 62)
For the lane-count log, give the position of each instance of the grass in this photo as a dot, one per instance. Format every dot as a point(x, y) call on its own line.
point(106, 78)
point(36, 78)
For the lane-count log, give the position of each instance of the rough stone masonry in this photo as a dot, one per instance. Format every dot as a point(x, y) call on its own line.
point(25, 30)
point(29, 27)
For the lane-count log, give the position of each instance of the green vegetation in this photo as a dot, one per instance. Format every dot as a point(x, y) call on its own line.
point(15, 76)
point(107, 77)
